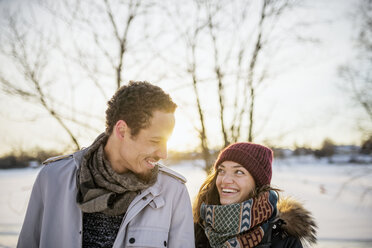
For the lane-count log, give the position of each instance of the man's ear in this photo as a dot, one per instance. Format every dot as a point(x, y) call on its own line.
point(121, 129)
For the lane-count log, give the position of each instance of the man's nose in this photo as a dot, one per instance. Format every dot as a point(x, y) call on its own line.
point(162, 152)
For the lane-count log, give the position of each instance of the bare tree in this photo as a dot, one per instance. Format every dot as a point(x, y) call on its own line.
point(358, 73)
point(246, 55)
point(107, 24)
point(219, 43)
point(225, 45)
point(93, 36)
point(211, 11)
point(270, 12)
point(190, 36)
point(30, 55)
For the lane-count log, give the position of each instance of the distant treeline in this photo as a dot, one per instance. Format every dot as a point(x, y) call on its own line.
point(23, 159)
point(328, 149)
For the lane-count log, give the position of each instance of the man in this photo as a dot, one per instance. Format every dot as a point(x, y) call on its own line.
point(114, 193)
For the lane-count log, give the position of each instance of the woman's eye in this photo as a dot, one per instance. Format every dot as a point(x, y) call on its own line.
point(239, 172)
point(219, 171)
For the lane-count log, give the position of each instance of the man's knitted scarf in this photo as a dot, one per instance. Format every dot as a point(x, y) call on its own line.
point(240, 224)
point(101, 189)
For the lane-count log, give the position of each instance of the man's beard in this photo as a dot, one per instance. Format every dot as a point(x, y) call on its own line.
point(146, 176)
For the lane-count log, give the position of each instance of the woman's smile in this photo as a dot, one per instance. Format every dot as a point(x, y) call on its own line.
point(234, 183)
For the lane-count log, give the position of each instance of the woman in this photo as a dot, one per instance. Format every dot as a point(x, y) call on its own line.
point(237, 207)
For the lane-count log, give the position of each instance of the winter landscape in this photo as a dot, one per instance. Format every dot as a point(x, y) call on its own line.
point(338, 195)
point(288, 74)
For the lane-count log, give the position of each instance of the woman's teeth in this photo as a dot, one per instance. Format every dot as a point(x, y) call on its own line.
point(229, 190)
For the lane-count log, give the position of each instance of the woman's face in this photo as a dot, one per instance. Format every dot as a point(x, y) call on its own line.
point(234, 183)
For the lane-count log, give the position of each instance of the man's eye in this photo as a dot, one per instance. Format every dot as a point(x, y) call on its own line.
point(239, 172)
point(155, 141)
point(219, 171)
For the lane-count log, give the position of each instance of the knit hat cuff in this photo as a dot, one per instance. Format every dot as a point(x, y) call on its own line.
point(261, 177)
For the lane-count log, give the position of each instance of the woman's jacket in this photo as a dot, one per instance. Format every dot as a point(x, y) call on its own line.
point(293, 228)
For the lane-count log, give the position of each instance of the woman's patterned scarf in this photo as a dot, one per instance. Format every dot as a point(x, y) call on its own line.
point(101, 189)
point(240, 224)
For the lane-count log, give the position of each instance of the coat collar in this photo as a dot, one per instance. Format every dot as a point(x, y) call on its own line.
point(298, 221)
point(78, 156)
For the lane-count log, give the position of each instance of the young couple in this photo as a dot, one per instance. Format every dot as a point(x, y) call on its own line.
point(114, 193)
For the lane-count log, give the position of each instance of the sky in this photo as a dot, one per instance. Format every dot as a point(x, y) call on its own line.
point(302, 104)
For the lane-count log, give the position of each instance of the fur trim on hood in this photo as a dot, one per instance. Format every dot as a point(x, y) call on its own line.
point(298, 221)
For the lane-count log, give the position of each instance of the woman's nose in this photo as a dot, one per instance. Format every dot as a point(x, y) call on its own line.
point(227, 178)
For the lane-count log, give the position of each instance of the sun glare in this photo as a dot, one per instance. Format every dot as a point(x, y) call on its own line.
point(182, 141)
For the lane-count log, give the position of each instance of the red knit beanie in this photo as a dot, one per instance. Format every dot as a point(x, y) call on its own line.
point(257, 159)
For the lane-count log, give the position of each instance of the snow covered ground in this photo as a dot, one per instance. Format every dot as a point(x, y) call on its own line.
point(339, 196)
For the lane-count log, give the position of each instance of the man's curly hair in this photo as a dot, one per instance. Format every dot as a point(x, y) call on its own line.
point(135, 103)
